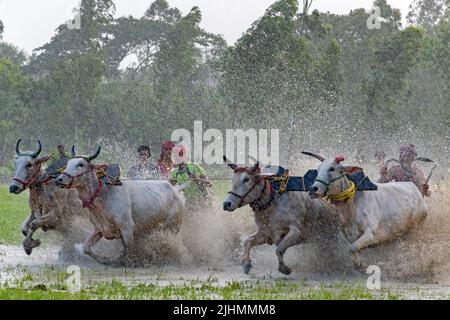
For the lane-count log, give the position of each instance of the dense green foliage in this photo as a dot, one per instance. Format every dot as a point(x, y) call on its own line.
point(317, 77)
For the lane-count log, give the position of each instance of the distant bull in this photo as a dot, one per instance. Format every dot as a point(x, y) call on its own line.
point(368, 218)
point(121, 212)
point(51, 208)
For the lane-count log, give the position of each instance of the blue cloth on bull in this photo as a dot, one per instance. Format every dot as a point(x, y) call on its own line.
point(362, 182)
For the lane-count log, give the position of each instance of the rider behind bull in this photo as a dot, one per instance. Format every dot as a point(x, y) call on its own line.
point(199, 187)
point(165, 163)
point(406, 170)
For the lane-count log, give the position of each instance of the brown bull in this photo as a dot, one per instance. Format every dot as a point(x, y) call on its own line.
point(51, 207)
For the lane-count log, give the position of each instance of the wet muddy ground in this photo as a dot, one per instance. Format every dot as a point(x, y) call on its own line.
point(415, 266)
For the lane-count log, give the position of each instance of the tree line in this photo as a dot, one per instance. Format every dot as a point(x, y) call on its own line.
point(325, 80)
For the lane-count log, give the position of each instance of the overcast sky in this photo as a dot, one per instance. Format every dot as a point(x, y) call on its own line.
point(31, 23)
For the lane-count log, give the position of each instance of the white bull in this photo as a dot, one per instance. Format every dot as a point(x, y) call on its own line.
point(368, 218)
point(281, 220)
point(121, 212)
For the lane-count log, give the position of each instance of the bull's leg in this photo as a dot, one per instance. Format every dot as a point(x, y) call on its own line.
point(127, 237)
point(91, 241)
point(255, 239)
point(366, 239)
point(26, 224)
point(29, 243)
point(93, 238)
point(292, 238)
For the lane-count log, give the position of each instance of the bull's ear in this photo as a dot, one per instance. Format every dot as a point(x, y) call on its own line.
point(256, 168)
point(229, 163)
point(350, 170)
point(44, 159)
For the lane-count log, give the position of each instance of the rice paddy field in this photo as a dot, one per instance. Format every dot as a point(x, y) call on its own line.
point(203, 262)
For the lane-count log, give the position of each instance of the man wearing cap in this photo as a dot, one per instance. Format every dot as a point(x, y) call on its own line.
point(406, 170)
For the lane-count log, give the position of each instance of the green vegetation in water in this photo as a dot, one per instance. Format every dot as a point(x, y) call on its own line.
point(279, 290)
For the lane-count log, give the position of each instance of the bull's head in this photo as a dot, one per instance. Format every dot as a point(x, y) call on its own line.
point(246, 186)
point(331, 176)
point(78, 170)
point(28, 168)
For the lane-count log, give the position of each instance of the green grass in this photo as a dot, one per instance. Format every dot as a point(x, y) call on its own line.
point(221, 188)
point(14, 210)
point(278, 290)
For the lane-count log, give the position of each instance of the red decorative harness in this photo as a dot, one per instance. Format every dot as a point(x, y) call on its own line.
point(242, 198)
point(30, 183)
point(90, 202)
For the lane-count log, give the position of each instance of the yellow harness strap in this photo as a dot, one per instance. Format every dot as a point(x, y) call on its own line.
point(346, 195)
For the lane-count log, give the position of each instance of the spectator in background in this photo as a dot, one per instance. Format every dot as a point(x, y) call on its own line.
point(61, 153)
point(165, 162)
point(144, 168)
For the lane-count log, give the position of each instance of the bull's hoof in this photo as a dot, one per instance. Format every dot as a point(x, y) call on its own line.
point(29, 245)
point(358, 265)
point(25, 232)
point(247, 266)
point(284, 269)
point(28, 250)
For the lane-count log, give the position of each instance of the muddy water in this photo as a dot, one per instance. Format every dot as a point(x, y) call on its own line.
point(210, 243)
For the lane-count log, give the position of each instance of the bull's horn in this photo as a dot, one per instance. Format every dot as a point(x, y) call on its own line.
point(322, 159)
point(18, 152)
point(74, 153)
point(229, 163)
point(36, 154)
point(424, 159)
point(256, 166)
point(33, 155)
point(95, 155)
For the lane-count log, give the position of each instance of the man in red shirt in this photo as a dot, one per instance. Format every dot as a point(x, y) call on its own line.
point(165, 163)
